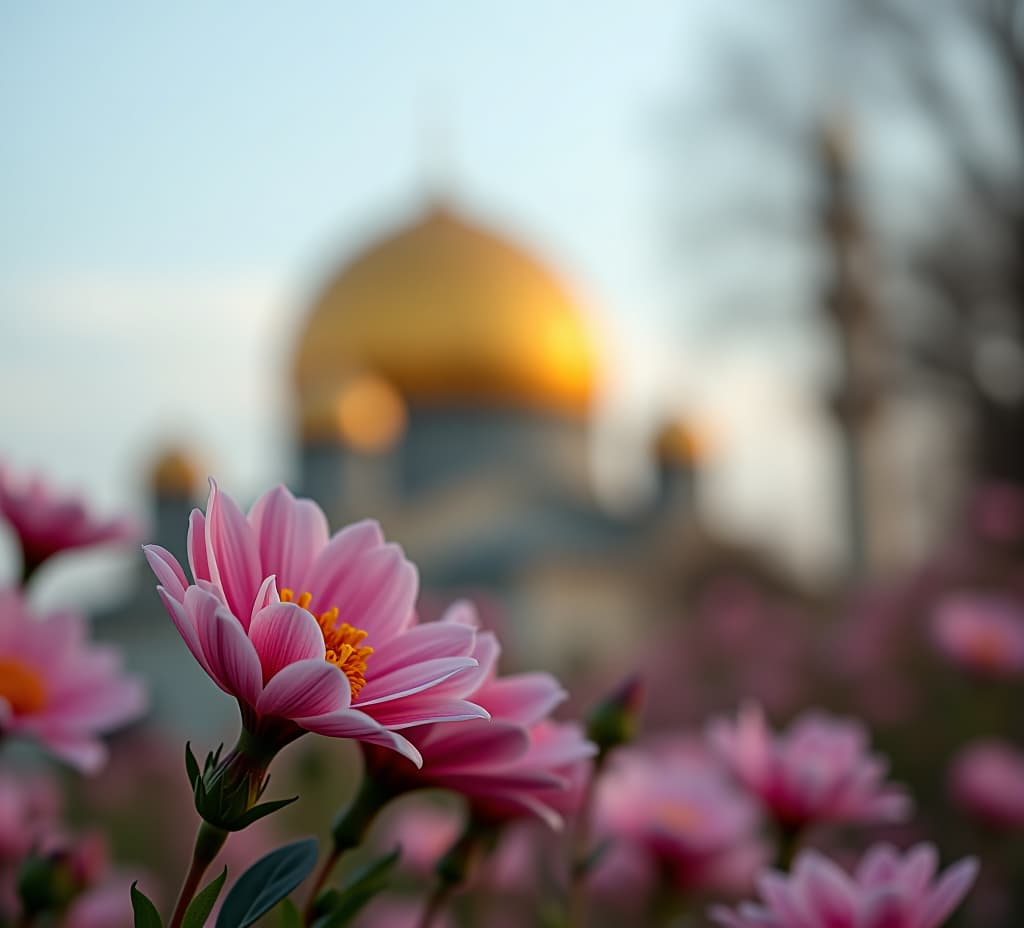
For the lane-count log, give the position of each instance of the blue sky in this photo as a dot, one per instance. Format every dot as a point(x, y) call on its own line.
point(176, 179)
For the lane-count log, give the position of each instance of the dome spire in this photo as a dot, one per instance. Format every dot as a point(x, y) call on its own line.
point(437, 137)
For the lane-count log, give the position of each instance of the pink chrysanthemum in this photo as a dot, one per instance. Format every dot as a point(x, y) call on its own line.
point(58, 689)
point(819, 770)
point(309, 632)
point(47, 523)
point(887, 890)
point(987, 780)
point(517, 763)
point(984, 634)
point(671, 805)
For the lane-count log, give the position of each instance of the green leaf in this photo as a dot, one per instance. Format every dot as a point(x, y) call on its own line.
point(191, 766)
point(258, 812)
point(146, 915)
point(267, 882)
point(344, 905)
point(290, 915)
point(199, 908)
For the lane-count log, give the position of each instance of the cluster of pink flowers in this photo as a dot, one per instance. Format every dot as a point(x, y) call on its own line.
point(887, 890)
point(517, 762)
point(57, 688)
point(31, 830)
point(669, 804)
point(982, 634)
point(818, 771)
point(47, 523)
point(311, 632)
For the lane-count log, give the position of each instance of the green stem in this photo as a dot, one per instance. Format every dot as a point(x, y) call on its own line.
point(452, 872)
point(580, 850)
point(347, 832)
point(789, 843)
point(209, 841)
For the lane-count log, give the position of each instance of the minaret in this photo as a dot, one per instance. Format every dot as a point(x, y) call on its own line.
point(175, 480)
point(847, 303)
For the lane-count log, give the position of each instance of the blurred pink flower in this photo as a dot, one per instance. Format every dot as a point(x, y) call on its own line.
point(887, 890)
point(819, 770)
point(309, 632)
point(981, 633)
point(423, 830)
point(47, 523)
point(517, 763)
point(674, 804)
point(29, 811)
point(987, 780)
point(394, 911)
point(105, 906)
point(997, 512)
point(58, 689)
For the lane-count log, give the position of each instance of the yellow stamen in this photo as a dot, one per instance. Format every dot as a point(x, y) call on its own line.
point(21, 686)
point(342, 642)
point(288, 596)
point(679, 817)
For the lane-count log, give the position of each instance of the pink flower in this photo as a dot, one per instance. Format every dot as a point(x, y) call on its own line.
point(518, 763)
point(29, 811)
point(105, 906)
point(47, 523)
point(311, 633)
point(997, 512)
point(981, 633)
point(987, 779)
point(887, 890)
point(58, 689)
point(819, 770)
point(673, 804)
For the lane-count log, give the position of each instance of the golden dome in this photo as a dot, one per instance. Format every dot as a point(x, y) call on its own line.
point(364, 412)
point(679, 444)
point(174, 472)
point(445, 311)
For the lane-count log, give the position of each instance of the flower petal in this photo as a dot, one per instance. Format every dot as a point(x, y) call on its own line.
point(168, 571)
point(400, 714)
point(290, 533)
point(185, 622)
point(476, 745)
point(232, 658)
point(198, 562)
point(420, 643)
point(305, 688)
point(376, 592)
point(338, 560)
point(284, 633)
point(351, 723)
point(232, 552)
point(405, 681)
point(523, 698)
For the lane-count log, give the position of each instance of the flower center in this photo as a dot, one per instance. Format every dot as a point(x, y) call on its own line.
point(343, 642)
point(679, 817)
point(987, 649)
point(21, 686)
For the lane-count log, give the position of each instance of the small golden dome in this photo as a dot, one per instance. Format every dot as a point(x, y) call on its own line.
point(365, 413)
point(174, 472)
point(680, 444)
point(446, 311)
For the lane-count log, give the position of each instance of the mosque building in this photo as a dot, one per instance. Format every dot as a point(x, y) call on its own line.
point(444, 383)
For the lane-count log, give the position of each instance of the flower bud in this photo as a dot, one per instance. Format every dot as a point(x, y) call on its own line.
point(227, 790)
point(48, 882)
point(614, 720)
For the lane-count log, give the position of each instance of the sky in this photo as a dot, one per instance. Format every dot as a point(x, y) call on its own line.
point(178, 178)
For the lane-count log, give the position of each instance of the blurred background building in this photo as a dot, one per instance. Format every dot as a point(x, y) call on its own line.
point(206, 270)
point(444, 382)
